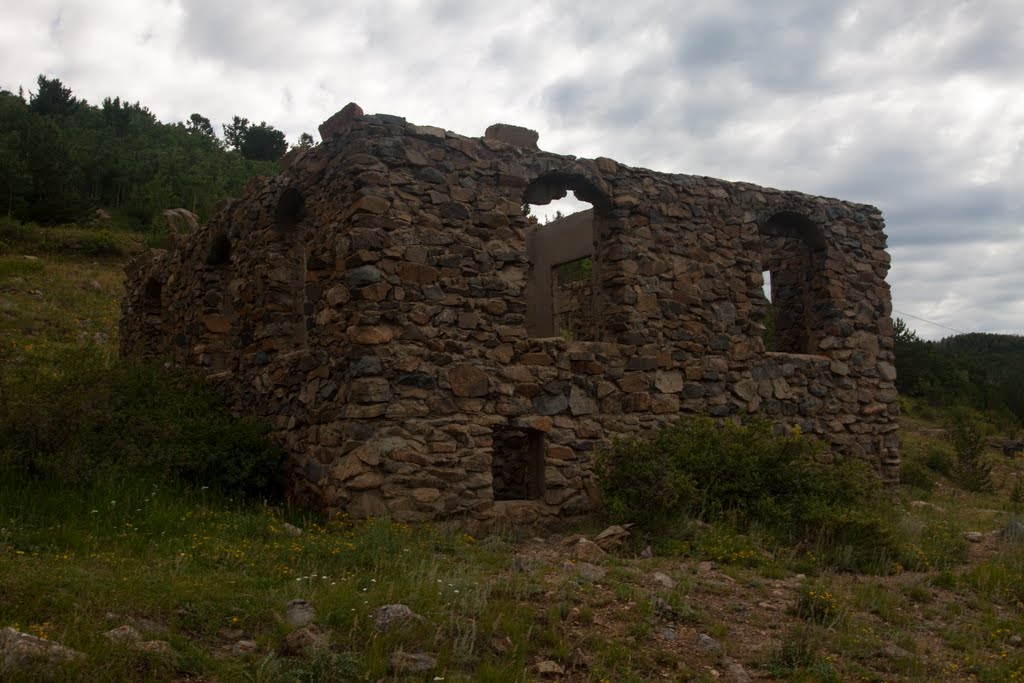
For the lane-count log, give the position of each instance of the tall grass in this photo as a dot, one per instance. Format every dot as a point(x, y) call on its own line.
point(80, 414)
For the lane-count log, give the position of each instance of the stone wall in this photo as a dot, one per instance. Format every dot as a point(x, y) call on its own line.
point(378, 300)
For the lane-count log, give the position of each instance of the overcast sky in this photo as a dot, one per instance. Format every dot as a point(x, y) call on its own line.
point(915, 106)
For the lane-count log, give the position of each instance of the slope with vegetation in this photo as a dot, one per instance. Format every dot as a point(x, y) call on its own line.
point(62, 158)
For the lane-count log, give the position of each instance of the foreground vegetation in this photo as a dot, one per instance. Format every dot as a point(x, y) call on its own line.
point(116, 509)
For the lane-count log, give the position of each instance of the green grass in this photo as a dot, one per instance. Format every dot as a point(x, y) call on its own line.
point(196, 564)
point(57, 302)
point(67, 240)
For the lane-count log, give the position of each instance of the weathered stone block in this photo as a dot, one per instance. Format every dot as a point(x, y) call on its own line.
point(580, 403)
point(217, 324)
point(633, 382)
point(468, 381)
point(513, 135)
point(669, 382)
point(370, 390)
point(417, 274)
point(550, 405)
point(371, 335)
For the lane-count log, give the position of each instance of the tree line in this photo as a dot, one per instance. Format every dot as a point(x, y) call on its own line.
point(979, 370)
point(62, 158)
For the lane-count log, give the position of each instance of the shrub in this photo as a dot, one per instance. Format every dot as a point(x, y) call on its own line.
point(1016, 503)
point(730, 548)
point(1013, 531)
point(971, 471)
point(916, 474)
point(942, 545)
point(939, 458)
point(745, 476)
point(858, 539)
point(79, 415)
point(16, 234)
point(641, 482)
point(818, 605)
point(800, 657)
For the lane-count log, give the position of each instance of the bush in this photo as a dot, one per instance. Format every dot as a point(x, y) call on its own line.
point(971, 471)
point(916, 474)
point(1016, 503)
point(14, 233)
point(80, 415)
point(858, 539)
point(939, 545)
point(641, 482)
point(818, 605)
point(745, 476)
point(939, 458)
point(1013, 531)
point(800, 657)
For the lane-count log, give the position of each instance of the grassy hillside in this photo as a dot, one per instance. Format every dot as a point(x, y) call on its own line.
point(210, 573)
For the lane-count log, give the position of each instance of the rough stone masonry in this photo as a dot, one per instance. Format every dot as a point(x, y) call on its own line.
point(387, 304)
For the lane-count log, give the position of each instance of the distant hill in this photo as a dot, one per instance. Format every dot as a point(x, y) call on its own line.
point(984, 371)
point(994, 353)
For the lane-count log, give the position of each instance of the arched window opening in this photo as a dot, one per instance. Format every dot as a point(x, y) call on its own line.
point(289, 208)
point(561, 294)
point(220, 251)
point(793, 253)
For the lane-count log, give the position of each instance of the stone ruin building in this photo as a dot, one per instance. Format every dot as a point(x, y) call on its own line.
point(387, 304)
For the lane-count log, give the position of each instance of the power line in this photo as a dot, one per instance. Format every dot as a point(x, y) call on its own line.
point(930, 322)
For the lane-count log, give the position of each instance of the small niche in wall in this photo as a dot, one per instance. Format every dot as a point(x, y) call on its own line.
point(517, 464)
point(220, 251)
point(289, 208)
point(152, 294)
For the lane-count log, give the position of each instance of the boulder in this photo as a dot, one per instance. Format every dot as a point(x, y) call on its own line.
point(181, 221)
point(299, 613)
point(386, 616)
point(411, 662)
point(22, 652)
point(340, 122)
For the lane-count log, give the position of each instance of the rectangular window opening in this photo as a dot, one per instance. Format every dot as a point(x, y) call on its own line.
point(769, 319)
point(572, 294)
point(517, 464)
